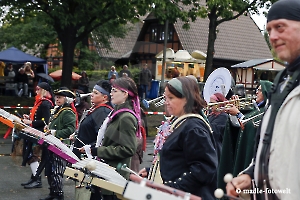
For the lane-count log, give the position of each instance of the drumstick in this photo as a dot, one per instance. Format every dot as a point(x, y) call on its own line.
point(126, 169)
point(219, 193)
point(163, 188)
point(19, 105)
point(79, 140)
point(18, 114)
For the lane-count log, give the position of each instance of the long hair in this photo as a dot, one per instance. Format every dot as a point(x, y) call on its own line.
point(128, 85)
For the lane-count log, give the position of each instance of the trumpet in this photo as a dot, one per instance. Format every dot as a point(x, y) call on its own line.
point(241, 103)
point(159, 101)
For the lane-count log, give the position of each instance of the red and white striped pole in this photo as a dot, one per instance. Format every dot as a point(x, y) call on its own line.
point(155, 113)
point(16, 107)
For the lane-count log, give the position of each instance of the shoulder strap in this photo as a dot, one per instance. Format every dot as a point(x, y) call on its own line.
point(62, 109)
point(184, 117)
point(49, 101)
point(105, 105)
point(122, 110)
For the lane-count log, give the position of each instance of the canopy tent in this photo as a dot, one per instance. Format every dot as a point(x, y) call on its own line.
point(198, 55)
point(182, 55)
point(17, 56)
point(169, 54)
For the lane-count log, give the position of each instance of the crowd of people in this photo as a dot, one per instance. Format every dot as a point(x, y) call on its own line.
point(144, 78)
point(19, 80)
point(198, 149)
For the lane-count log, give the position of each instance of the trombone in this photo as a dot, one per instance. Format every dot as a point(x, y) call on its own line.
point(79, 97)
point(159, 101)
point(244, 121)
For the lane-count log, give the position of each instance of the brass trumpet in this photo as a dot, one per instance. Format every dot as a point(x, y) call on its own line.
point(242, 103)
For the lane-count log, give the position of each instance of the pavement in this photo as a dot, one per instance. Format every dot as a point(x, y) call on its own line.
point(12, 174)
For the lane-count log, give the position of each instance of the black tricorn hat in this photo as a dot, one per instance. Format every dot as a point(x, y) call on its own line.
point(64, 91)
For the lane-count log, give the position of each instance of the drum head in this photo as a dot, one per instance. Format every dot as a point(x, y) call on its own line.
point(216, 79)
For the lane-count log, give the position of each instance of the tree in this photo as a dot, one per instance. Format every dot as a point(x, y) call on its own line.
point(74, 20)
point(100, 37)
point(221, 11)
point(217, 11)
point(29, 33)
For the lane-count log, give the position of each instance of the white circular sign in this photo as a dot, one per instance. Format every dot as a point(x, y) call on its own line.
point(219, 78)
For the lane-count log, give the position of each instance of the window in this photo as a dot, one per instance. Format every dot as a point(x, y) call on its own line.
point(158, 31)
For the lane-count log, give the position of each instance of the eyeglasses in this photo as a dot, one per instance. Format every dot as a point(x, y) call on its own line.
point(114, 90)
point(258, 90)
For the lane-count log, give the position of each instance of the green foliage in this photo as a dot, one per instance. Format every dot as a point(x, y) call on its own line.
point(74, 20)
point(89, 59)
point(95, 75)
point(217, 11)
point(29, 33)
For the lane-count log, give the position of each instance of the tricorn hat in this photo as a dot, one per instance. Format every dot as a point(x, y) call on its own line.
point(64, 91)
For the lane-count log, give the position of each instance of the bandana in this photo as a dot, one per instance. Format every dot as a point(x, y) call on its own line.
point(100, 89)
point(124, 90)
point(214, 97)
point(177, 85)
point(136, 107)
point(285, 9)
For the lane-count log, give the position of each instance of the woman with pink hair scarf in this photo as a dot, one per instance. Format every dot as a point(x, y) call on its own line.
point(217, 119)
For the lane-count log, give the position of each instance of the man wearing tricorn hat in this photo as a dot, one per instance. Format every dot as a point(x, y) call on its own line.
point(275, 165)
point(62, 125)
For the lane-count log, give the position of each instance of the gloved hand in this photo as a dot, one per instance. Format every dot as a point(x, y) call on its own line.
point(52, 131)
point(88, 151)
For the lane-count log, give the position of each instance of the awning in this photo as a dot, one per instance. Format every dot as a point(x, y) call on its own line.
point(261, 64)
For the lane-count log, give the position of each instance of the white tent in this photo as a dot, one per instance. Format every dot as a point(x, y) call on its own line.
point(169, 54)
point(182, 55)
point(198, 55)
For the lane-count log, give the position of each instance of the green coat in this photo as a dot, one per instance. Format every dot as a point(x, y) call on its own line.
point(238, 148)
point(238, 145)
point(64, 122)
point(119, 143)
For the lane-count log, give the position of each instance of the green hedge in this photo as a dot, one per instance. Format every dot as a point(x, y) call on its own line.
point(95, 75)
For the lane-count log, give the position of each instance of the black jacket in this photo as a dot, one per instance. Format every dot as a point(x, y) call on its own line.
point(42, 115)
point(188, 159)
point(218, 123)
point(88, 129)
point(21, 78)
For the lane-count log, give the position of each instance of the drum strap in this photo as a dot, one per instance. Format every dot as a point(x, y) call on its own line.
point(182, 118)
